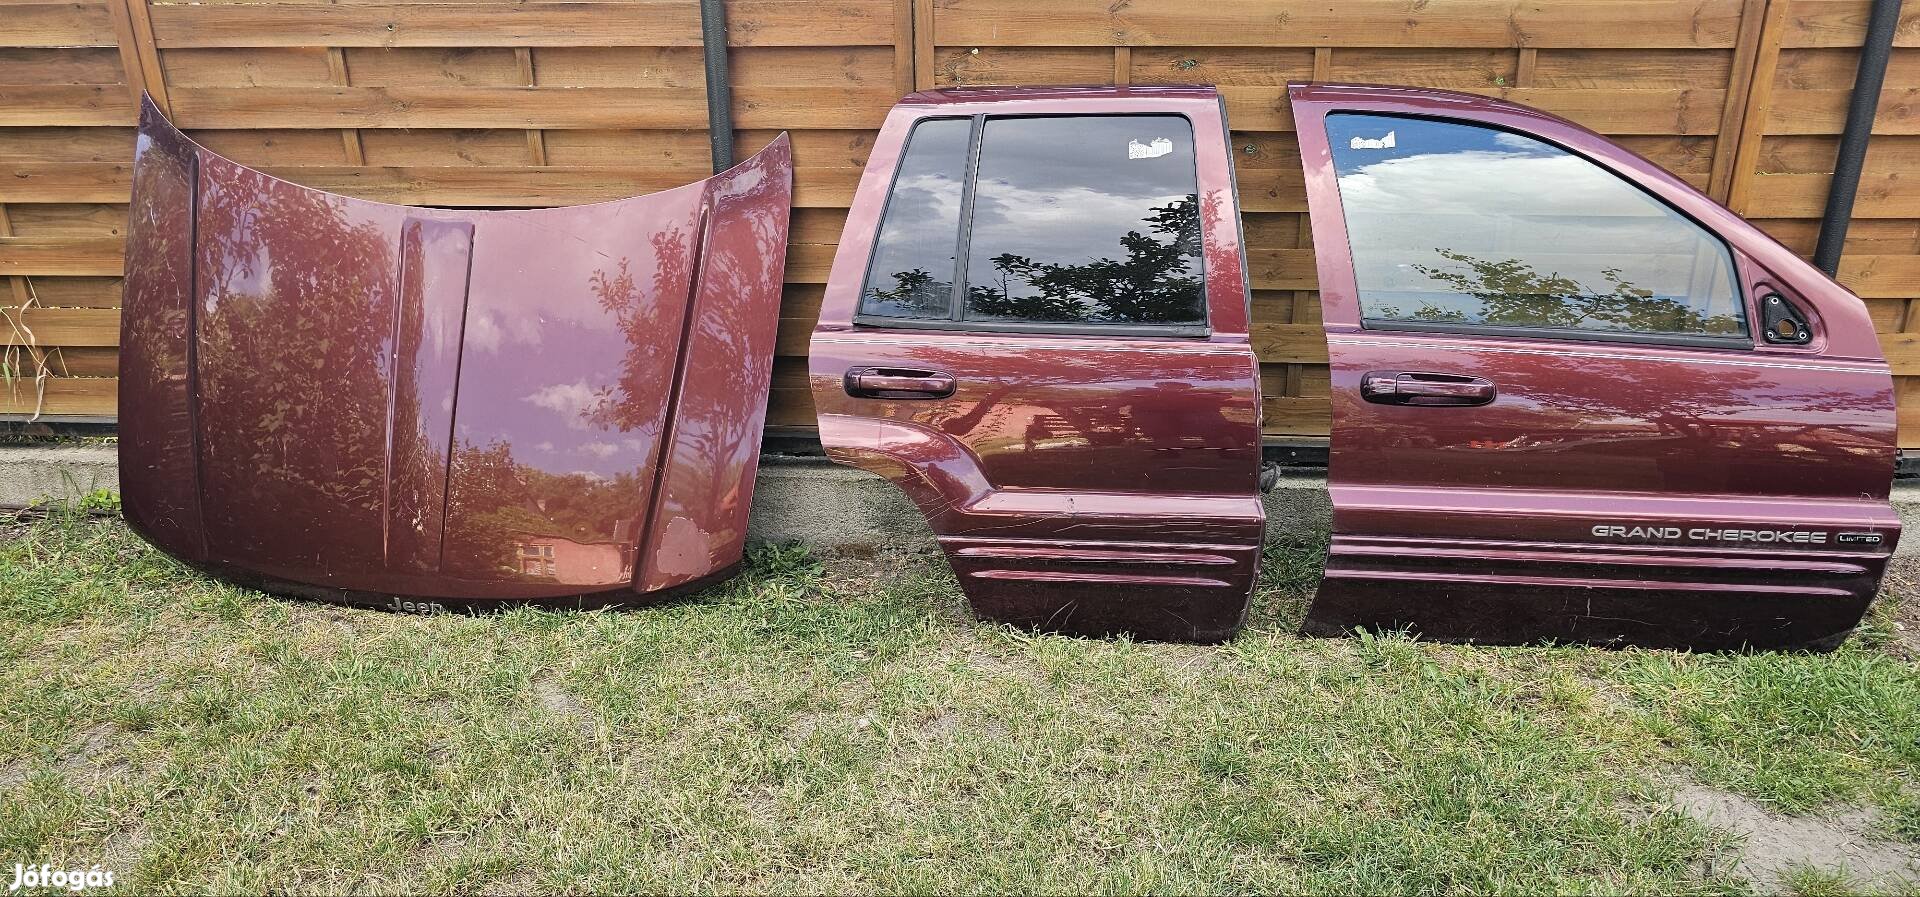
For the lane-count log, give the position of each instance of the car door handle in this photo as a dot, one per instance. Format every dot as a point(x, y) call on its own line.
point(1425, 388)
point(898, 383)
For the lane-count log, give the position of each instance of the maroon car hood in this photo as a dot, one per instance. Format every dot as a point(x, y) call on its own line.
point(370, 400)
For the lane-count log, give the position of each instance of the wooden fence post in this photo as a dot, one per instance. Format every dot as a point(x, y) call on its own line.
point(133, 29)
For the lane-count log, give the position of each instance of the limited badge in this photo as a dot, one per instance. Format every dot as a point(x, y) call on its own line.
point(1858, 538)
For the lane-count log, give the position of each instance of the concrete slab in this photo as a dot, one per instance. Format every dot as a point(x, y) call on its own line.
point(819, 503)
point(31, 474)
point(804, 499)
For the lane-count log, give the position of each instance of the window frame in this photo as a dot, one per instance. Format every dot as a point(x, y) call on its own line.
point(1744, 340)
point(956, 319)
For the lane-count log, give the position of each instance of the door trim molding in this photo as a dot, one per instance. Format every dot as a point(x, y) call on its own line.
point(1879, 368)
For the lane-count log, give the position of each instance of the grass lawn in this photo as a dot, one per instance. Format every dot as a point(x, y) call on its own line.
point(838, 724)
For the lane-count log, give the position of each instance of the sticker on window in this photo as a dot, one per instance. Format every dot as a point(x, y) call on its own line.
point(1160, 146)
point(1372, 142)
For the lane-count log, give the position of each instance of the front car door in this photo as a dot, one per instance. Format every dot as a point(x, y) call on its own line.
point(1036, 326)
point(1573, 398)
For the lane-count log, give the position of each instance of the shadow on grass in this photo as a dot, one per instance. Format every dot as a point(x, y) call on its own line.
point(1290, 570)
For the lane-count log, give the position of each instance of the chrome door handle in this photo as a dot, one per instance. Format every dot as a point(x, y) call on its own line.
point(898, 383)
point(1426, 389)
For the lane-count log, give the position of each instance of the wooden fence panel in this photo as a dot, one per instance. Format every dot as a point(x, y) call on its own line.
point(1803, 82)
point(497, 103)
point(66, 110)
point(442, 103)
point(1658, 77)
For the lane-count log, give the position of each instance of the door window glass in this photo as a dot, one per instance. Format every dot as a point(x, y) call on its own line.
point(911, 274)
point(1456, 224)
point(1086, 220)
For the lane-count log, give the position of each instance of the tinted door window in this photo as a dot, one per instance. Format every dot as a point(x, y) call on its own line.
point(1086, 220)
point(911, 274)
point(1067, 220)
point(1455, 224)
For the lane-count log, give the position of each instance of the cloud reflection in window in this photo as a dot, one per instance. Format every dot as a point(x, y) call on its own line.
point(1463, 224)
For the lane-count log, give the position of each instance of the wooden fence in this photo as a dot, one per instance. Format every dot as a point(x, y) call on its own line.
point(548, 103)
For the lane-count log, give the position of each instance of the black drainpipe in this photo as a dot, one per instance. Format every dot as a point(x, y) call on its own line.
point(1881, 24)
point(713, 38)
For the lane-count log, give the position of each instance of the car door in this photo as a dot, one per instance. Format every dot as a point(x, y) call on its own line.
point(1036, 326)
point(1574, 399)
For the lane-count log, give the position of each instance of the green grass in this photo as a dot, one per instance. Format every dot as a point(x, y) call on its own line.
point(831, 724)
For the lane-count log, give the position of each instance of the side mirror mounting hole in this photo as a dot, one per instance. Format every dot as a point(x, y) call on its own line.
point(1782, 323)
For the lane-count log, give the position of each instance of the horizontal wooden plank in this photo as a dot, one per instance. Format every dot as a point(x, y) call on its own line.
point(1882, 276)
point(1272, 229)
point(1311, 380)
point(76, 396)
point(1903, 352)
point(685, 153)
point(987, 66)
point(1825, 111)
point(1658, 111)
point(1883, 195)
point(560, 66)
point(411, 147)
point(1226, 66)
point(1631, 69)
point(1840, 23)
point(1815, 154)
point(1315, 380)
point(74, 292)
point(1289, 343)
point(811, 66)
point(750, 23)
point(1909, 423)
point(789, 406)
point(522, 107)
point(60, 327)
point(1886, 314)
point(1684, 156)
point(290, 146)
point(1295, 415)
point(1443, 67)
point(56, 25)
point(65, 104)
point(791, 339)
point(279, 66)
point(63, 65)
point(817, 225)
point(82, 361)
point(1354, 23)
point(65, 182)
point(1282, 269)
point(1833, 68)
point(58, 221)
point(801, 301)
point(1286, 306)
point(809, 262)
point(1865, 236)
point(94, 256)
point(859, 107)
point(437, 107)
point(66, 144)
point(811, 148)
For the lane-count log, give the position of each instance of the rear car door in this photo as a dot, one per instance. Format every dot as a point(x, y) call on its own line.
point(1573, 398)
point(1036, 326)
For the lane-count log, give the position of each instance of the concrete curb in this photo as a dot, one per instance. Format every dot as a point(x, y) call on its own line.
point(30, 474)
point(803, 499)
